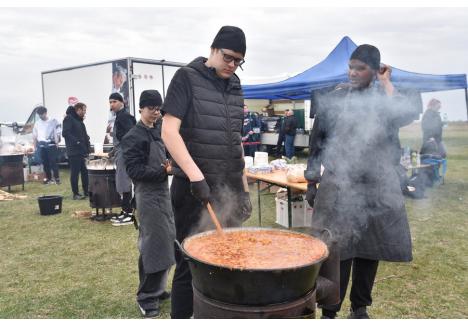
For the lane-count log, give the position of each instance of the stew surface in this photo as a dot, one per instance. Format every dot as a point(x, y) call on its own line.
point(251, 249)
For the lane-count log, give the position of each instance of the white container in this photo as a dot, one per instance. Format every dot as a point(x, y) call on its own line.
point(261, 159)
point(248, 161)
point(301, 216)
point(98, 148)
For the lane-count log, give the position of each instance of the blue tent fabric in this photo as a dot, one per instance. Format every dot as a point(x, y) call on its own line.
point(334, 70)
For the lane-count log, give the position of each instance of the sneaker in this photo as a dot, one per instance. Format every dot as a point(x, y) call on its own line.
point(86, 194)
point(57, 181)
point(116, 218)
point(150, 313)
point(358, 313)
point(78, 197)
point(51, 182)
point(127, 219)
point(45, 181)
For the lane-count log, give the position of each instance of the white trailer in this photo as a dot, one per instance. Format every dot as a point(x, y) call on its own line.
point(93, 83)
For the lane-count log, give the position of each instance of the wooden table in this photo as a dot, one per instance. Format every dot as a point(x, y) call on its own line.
point(277, 178)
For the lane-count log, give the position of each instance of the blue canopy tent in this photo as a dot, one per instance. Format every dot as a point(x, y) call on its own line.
point(333, 70)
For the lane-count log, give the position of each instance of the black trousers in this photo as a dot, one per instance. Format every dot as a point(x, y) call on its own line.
point(49, 160)
point(363, 276)
point(127, 202)
point(77, 167)
point(187, 211)
point(279, 145)
point(151, 286)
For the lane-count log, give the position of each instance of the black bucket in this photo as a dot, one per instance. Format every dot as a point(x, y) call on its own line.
point(49, 205)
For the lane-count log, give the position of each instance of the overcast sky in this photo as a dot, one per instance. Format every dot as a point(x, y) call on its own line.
point(281, 42)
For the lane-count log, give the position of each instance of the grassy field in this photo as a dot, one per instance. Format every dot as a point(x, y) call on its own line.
point(61, 266)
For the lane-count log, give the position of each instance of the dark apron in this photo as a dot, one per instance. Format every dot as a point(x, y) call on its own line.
point(123, 183)
point(359, 197)
point(157, 230)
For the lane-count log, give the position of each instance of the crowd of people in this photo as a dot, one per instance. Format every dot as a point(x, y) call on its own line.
point(200, 135)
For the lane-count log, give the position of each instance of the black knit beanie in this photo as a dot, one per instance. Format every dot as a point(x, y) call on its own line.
point(116, 96)
point(150, 97)
point(368, 54)
point(230, 37)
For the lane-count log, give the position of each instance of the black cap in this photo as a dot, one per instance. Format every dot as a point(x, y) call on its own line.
point(116, 96)
point(368, 54)
point(150, 97)
point(230, 37)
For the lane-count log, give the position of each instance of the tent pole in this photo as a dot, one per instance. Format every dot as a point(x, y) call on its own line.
point(466, 101)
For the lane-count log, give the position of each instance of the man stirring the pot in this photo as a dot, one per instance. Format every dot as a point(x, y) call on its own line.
point(359, 197)
point(202, 131)
point(148, 167)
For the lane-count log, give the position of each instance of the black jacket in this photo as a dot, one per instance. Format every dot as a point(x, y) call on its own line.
point(431, 124)
point(290, 125)
point(136, 150)
point(76, 137)
point(212, 126)
point(124, 121)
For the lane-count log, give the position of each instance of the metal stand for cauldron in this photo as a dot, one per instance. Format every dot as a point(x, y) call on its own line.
point(204, 308)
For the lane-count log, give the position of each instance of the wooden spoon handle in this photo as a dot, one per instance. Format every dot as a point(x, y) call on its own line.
point(214, 218)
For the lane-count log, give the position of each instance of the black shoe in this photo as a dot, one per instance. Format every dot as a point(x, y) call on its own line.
point(86, 194)
point(358, 313)
point(78, 197)
point(328, 314)
point(165, 295)
point(150, 312)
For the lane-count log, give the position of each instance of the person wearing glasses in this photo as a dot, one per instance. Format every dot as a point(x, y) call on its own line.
point(202, 131)
point(148, 167)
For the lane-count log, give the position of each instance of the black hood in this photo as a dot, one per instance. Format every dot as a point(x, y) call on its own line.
point(72, 113)
point(210, 73)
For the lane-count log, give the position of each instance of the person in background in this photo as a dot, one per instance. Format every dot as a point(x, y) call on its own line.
point(250, 133)
point(279, 127)
point(78, 147)
point(290, 125)
point(202, 130)
point(148, 167)
point(359, 198)
point(123, 123)
point(46, 137)
point(432, 127)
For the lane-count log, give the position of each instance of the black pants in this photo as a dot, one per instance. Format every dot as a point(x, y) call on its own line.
point(279, 145)
point(187, 211)
point(127, 202)
point(364, 272)
point(49, 160)
point(151, 286)
point(77, 166)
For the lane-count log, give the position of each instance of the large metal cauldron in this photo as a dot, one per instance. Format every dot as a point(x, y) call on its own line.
point(102, 190)
point(11, 170)
point(251, 286)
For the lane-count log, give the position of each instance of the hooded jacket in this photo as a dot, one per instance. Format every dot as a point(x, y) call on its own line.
point(212, 127)
point(76, 137)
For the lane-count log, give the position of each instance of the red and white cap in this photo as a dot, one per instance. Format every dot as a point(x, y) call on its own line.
point(72, 100)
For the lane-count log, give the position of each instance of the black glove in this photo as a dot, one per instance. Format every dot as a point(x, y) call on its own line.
point(200, 190)
point(311, 193)
point(246, 206)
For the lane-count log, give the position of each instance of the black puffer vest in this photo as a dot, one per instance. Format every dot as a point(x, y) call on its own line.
point(212, 127)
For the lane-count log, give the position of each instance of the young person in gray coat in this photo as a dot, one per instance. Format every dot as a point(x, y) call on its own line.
point(146, 163)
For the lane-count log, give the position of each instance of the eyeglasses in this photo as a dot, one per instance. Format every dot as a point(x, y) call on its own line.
point(154, 108)
point(229, 58)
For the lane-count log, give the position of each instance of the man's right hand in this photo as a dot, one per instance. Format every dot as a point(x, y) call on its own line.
point(311, 193)
point(200, 190)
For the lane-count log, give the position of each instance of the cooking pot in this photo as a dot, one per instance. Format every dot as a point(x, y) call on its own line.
point(251, 286)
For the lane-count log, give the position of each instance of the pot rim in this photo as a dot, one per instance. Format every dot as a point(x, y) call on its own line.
point(201, 234)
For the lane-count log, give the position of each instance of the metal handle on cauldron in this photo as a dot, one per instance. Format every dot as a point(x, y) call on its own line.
point(326, 239)
point(184, 253)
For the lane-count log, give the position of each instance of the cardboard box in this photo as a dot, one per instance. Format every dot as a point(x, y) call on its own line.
point(300, 209)
point(36, 177)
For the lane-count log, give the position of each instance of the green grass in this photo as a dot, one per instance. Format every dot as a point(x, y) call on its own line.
point(61, 266)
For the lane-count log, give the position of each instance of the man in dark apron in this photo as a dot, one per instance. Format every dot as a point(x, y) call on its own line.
point(124, 121)
point(148, 167)
point(359, 197)
point(202, 131)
